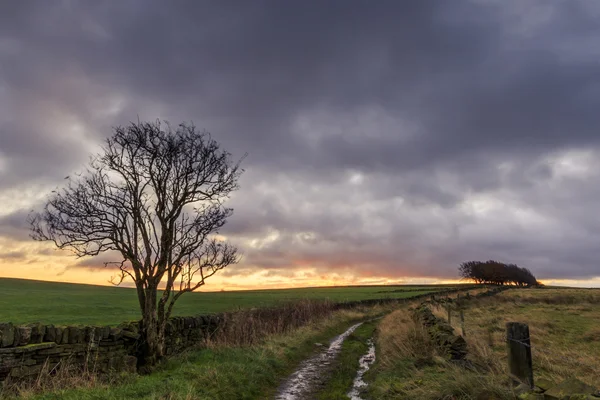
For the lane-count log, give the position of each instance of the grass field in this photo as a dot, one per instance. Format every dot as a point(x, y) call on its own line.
point(564, 326)
point(565, 337)
point(563, 323)
point(27, 301)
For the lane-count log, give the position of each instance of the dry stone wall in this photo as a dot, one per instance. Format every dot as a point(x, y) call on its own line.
point(450, 344)
point(26, 350)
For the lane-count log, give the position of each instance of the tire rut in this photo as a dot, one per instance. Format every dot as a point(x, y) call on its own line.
point(312, 372)
point(364, 363)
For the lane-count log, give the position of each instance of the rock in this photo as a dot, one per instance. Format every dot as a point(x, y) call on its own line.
point(130, 335)
point(458, 348)
point(7, 335)
point(89, 334)
point(105, 331)
point(568, 388)
point(23, 335)
point(37, 332)
point(531, 396)
point(130, 364)
point(50, 334)
point(21, 372)
point(544, 384)
point(58, 332)
point(75, 335)
point(522, 389)
point(116, 333)
point(65, 336)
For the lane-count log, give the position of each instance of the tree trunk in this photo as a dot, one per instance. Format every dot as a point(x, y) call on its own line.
point(153, 331)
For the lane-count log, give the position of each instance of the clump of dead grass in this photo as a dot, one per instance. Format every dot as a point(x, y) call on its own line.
point(410, 368)
point(563, 337)
point(253, 326)
point(399, 336)
point(248, 327)
point(551, 296)
point(64, 375)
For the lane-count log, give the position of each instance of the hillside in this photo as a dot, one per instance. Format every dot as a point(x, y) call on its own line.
point(25, 301)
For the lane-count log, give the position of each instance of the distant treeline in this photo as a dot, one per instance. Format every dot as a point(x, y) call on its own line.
point(497, 273)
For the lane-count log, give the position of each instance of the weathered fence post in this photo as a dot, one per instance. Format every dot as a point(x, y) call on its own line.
point(449, 309)
point(462, 322)
point(519, 352)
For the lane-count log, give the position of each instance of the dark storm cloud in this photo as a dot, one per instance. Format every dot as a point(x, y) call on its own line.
point(373, 128)
point(14, 225)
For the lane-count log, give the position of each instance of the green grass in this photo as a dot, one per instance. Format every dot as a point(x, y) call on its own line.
point(223, 372)
point(27, 301)
point(343, 375)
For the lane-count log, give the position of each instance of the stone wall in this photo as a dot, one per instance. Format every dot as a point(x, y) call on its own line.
point(186, 332)
point(441, 332)
point(450, 345)
point(373, 302)
point(26, 350)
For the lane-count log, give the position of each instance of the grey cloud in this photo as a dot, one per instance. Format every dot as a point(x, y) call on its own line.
point(14, 225)
point(428, 105)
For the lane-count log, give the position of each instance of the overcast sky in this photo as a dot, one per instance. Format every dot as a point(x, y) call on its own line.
point(387, 140)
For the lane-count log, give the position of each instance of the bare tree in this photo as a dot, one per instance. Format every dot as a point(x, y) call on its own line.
point(155, 196)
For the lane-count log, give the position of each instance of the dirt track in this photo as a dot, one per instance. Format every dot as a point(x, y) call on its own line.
point(312, 373)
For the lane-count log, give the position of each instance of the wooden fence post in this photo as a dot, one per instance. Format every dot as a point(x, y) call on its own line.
point(519, 352)
point(462, 322)
point(449, 309)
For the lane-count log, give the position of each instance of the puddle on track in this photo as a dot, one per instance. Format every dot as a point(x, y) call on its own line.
point(364, 364)
point(302, 383)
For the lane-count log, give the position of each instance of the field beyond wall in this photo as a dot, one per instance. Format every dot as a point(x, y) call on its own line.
point(564, 326)
point(28, 301)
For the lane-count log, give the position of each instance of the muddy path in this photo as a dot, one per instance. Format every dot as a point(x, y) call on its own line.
point(364, 364)
point(313, 372)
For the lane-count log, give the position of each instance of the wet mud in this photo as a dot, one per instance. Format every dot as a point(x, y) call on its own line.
point(313, 372)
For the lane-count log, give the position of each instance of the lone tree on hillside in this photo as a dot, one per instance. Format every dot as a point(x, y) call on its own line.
point(154, 195)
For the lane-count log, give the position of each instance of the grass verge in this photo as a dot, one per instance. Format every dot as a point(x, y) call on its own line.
point(563, 324)
point(564, 335)
point(408, 367)
point(342, 377)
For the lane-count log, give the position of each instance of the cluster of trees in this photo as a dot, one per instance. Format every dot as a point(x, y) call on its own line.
point(497, 273)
